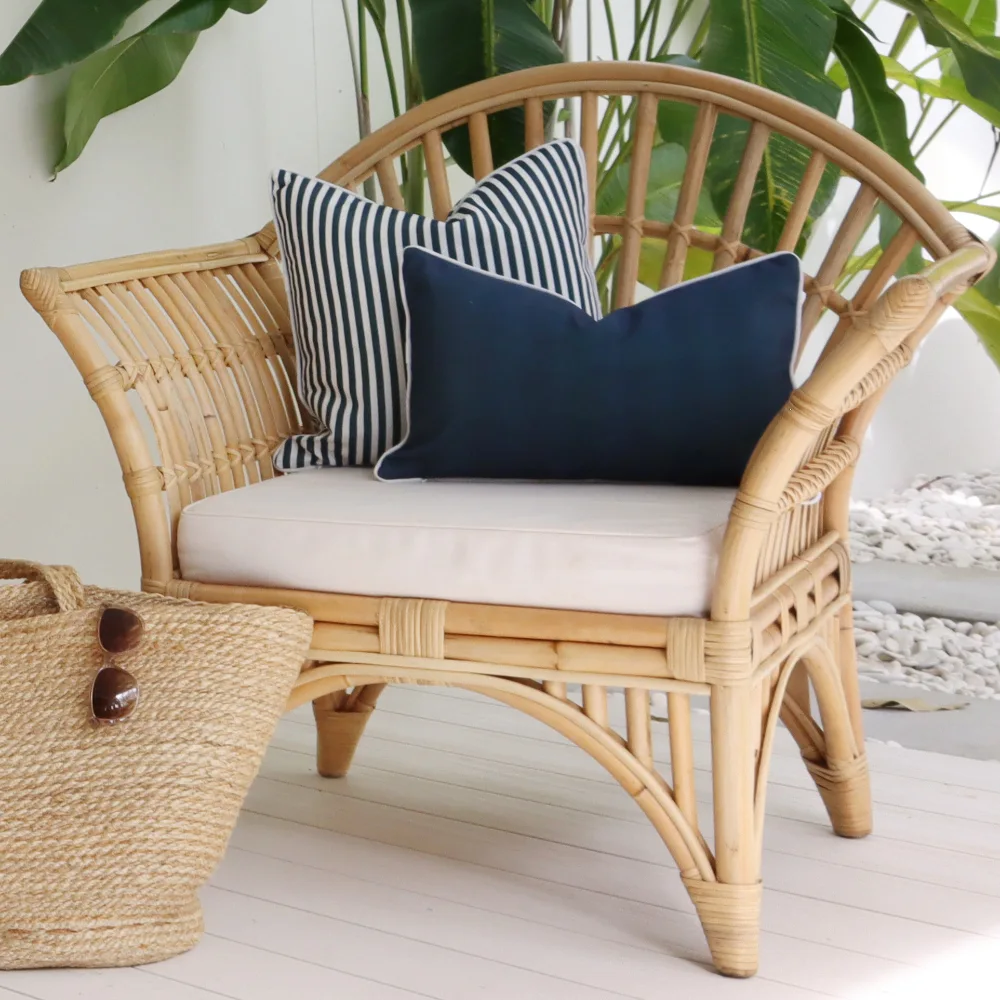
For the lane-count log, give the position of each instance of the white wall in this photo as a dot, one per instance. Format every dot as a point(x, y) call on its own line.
point(188, 167)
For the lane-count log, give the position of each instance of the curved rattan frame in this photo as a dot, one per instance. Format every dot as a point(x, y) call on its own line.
point(202, 337)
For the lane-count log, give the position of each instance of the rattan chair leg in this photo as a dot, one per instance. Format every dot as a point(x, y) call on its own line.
point(340, 722)
point(845, 789)
point(730, 918)
point(729, 908)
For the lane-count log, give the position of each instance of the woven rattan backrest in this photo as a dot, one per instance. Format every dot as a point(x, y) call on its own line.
point(203, 336)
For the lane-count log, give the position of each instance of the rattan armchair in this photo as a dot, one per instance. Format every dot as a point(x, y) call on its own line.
point(203, 338)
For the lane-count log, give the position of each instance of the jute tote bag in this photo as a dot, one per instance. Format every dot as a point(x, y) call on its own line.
point(107, 831)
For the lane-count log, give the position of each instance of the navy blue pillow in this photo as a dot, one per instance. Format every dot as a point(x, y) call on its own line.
point(507, 381)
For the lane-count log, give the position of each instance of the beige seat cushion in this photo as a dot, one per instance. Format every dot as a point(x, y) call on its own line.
point(581, 546)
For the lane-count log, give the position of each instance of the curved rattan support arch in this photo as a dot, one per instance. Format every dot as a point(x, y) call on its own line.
point(649, 790)
point(729, 913)
point(832, 755)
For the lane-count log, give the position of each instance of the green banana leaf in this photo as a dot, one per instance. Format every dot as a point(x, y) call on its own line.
point(978, 55)
point(984, 317)
point(980, 306)
point(458, 42)
point(879, 115)
point(782, 45)
point(845, 11)
point(990, 284)
point(879, 112)
point(138, 67)
point(947, 87)
point(651, 253)
point(979, 15)
point(986, 211)
point(666, 171)
point(62, 32)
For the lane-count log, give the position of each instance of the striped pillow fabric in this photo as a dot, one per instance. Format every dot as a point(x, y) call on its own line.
point(528, 221)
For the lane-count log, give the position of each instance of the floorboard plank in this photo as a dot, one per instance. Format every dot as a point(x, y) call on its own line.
point(474, 853)
point(477, 932)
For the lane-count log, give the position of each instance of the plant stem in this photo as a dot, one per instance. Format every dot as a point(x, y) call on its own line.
point(654, 25)
point(404, 43)
point(958, 206)
point(609, 16)
point(681, 12)
point(699, 35)
point(869, 9)
point(906, 30)
point(355, 70)
point(364, 95)
point(366, 113)
point(489, 29)
point(941, 124)
point(390, 72)
point(924, 112)
point(641, 24)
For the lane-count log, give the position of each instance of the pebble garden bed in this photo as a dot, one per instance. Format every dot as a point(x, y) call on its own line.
point(947, 521)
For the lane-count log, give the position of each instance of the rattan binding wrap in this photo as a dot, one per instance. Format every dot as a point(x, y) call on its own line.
point(107, 832)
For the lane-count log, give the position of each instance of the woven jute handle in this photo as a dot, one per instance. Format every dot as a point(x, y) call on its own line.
point(63, 581)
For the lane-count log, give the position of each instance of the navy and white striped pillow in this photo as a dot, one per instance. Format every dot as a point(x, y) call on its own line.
point(529, 221)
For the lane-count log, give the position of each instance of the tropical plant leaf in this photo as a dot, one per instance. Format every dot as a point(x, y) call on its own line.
point(984, 317)
point(116, 78)
point(666, 171)
point(453, 47)
point(980, 71)
point(138, 67)
point(675, 119)
point(989, 286)
point(651, 253)
point(986, 211)
point(980, 307)
point(979, 15)
point(933, 33)
point(782, 45)
point(844, 10)
point(947, 87)
point(879, 115)
point(188, 16)
point(62, 32)
point(978, 55)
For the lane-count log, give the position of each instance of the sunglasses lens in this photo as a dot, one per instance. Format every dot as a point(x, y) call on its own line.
point(114, 696)
point(119, 630)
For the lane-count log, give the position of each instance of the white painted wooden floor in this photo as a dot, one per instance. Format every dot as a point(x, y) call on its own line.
point(472, 853)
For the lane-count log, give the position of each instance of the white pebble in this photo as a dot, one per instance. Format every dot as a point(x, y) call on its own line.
point(944, 520)
point(884, 607)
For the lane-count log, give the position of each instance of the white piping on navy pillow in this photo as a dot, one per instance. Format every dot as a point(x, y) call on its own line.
point(409, 361)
